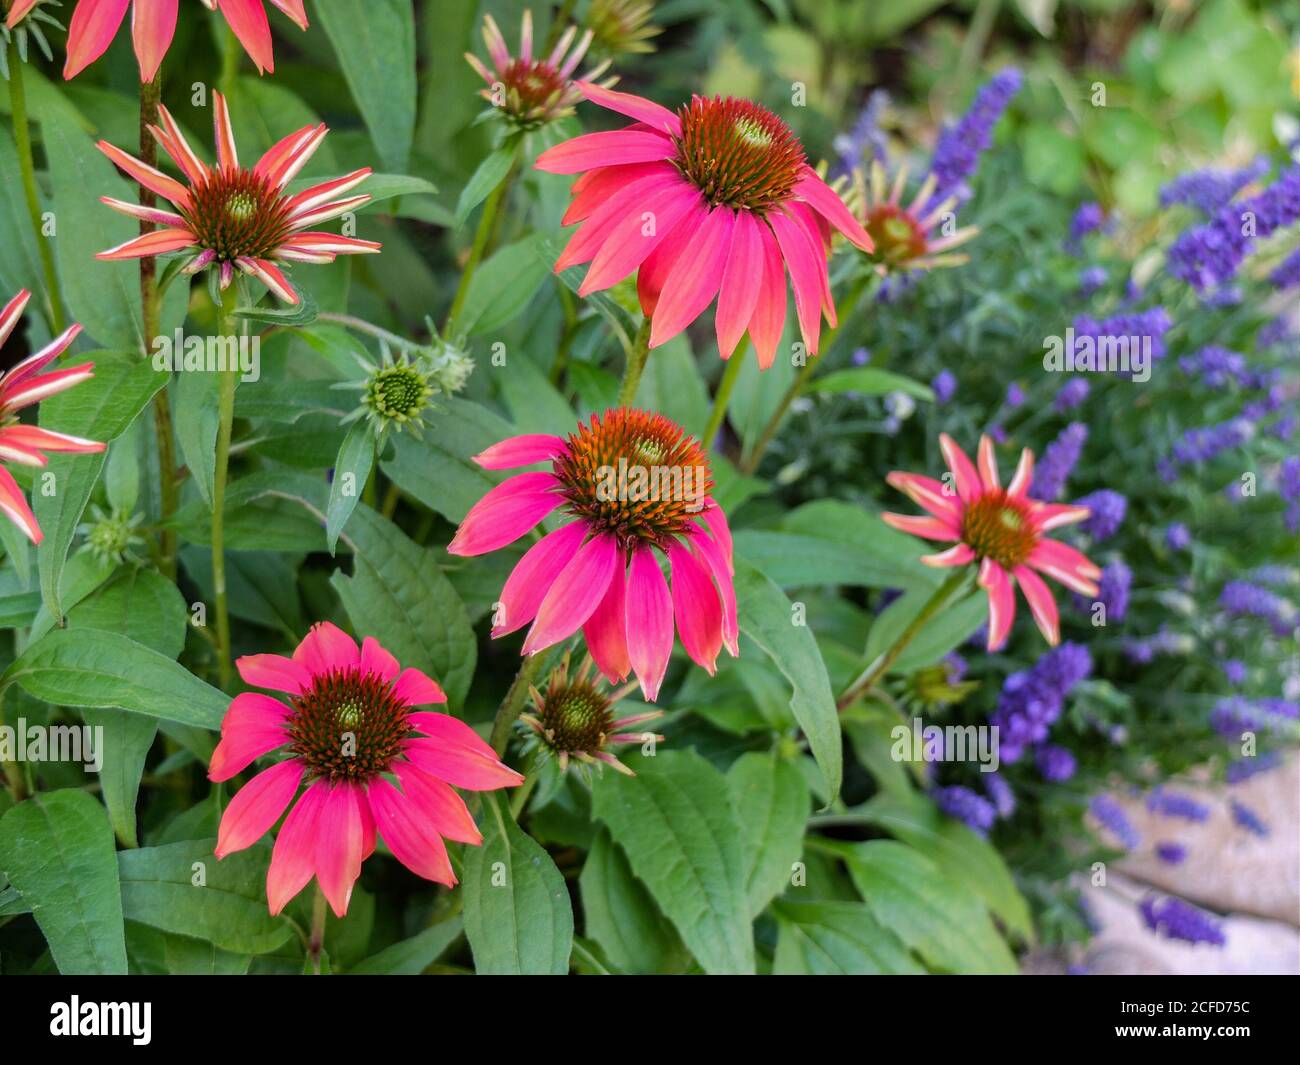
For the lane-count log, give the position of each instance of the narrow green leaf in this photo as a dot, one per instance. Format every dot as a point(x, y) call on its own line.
point(486, 177)
point(410, 957)
point(194, 413)
point(351, 470)
point(57, 851)
point(868, 381)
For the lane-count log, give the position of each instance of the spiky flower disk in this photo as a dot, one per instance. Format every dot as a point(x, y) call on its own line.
point(348, 725)
point(528, 91)
point(229, 217)
point(574, 718)
point(110, 536)
point(621, 27)
point(999, 526)
point(907, 237)
point(738, 153)
point(398, 393)
point(641, 440)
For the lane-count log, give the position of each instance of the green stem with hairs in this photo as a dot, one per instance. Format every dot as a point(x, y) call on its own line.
point(636, 360)
point(486, 227)
point(957, 581)
point(225, 420)
point(513, 704)
point(316, 940)
point(26, 164)
point(723, 396)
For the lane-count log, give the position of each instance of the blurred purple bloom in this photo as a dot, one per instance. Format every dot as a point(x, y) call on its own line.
point(1248, 819)
point(1015, 395)
point(1244, 769)
point(1178, 537)
point(1091, 279)
point(1176, 804)
point(1177, 920)
point(956, 156)
point(1234, 670)
point(1071, 394)
point(1058, 461)
point(1113, 818)
point(1004, 799)
point(1287, 275)
point(1055, 763)
point(944, 386)
point(972, 809)
point(1031, 700)
point(1211, 189)
point(1171, 853)
point(1108, 510)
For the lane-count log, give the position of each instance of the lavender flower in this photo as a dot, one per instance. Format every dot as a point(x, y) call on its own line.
point(1248, 819)
point(1015, 395)
point(1163, 642)
point(1288, 274)
point(944, 386)
point(1004, 799)
point(1211, 189)
point(1031, 700)
point(1055, 763)
point(972, 809)
point(1148, 327)
point(1202, 445)
point(1058, 461)
point(1243, 599)
point(865, 142)
point(1113, 818)
point(861, 356)
point(1178, 537)
point(1244, 769)
point(1108, 510)
point(1091, 279)
point(1234, 716)
point(1112, 590)
point(1175, 919)
point(1171, 853)
point(956, 156)
point(1089, 218)
point(1071, 394)
point(1215, 366)
point(1234, 671)
point(1176, 804)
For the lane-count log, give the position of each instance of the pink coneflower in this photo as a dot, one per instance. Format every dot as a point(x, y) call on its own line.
point(637, 485)
point(234, 217)
point(1001, 529)
point(715, 200)
point(533, 91)
point(153, 23)
point(21, 387)
point(905, 236)
point(349, 719)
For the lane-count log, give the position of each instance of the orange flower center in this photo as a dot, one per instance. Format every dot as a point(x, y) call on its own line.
point(898, 236)
point(737, 153)
point(237, 213)
point(348, 726)
point(533, 88)
point(636, 475)
point(998, 527)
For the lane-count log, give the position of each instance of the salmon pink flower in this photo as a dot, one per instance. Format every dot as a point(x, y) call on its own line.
point(1001, 529)
point(638, 487)
point(348, 723)
point(716, 199)
point(20, 387)
point(153, 23)
point(233, 217)
point(531, 92)
point(905, 236)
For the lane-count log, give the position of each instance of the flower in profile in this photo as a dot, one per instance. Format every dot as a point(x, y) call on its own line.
point(20, 387)
point(350, 720)
point(231, 217)
point(24, 26)
point(530, 91)
point(715, 199)
point(112, 536)
point(153, 23)
point(1001, 529)
point(621, 27)
point(638, 488)
point(573, 719)
point(905, 237)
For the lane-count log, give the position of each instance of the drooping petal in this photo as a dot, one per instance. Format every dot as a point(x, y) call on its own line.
point(1002, 602)
point(35, 389)
point(19, 11)
point(741, 281)
point(159, 242)
point(605, 149)
point(623, 203)
point(293, 858)
point(249, 24)
point(275, 672)
point(1050, 516)
point(153, 24)
point(768, 321)
point(93, 26)
point(150, 177)
point(575, 593)
point(809, 222)
point(637, 107)
point(599, 186)
point(927, 527)
point(533, 576)
point(721, 571)
point(521, 451)
point(249, 730)
point(327, 647)
point(696, 607)
point(257, 806)
point(375, 658)
point(963, 471)
point(802, 262)
point(411, 838)
point(716, 520)
point(658, 266)
point(438, 804)
point(155, 215)
point(606, 629)
point(14, 505)
point(826, 202)
point(1023, 477)
point(957, 555)
point(339, 845)
point(271, 276)
point(649, 622)
point(507, 512)
point(451, 730)
point(416, 689)
point(460, 766)
point(1063, 563)
point(1042, 604)
point(928, 493)
point(295, 10)
point(695, 280)
point(637, 235)
point(12, 314)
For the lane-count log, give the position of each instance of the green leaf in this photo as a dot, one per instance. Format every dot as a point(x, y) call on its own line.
point(836, 939)
point(140, 604)
point(767, 617)
point(503, 286)
point(304, 312)
point(194, 413)
point(351, 471)
point(125, 743)
point(375, 43)
point(948, 630)
point(410, 957)
point(675, 823)
point(869, 381)
point(518, 917)
point(88, 668)
point(771, 801)
point(99, 409)
point(957, 851)
point(181, 888)
point(398, 594)
point(935, 916)
point(57, 851)
point(621, 915)
point(486, 177)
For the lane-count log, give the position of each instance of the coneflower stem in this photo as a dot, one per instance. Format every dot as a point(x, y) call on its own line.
point(519, 798)
point(225, 419)
point(316, 940)
point(636, 360)
point(486, 226)
point(23, 142)
point(150, 95)
point(723, 396)
point(958, 579)
point(755, 455)
point(513, 704)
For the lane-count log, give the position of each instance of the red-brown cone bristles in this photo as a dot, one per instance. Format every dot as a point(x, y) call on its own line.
point(999, 527)
point(348, 725)
point(236, 212)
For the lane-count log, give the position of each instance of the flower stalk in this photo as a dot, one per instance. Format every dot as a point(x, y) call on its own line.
point(636, 360)
point(486, 227)
point(225, 420)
